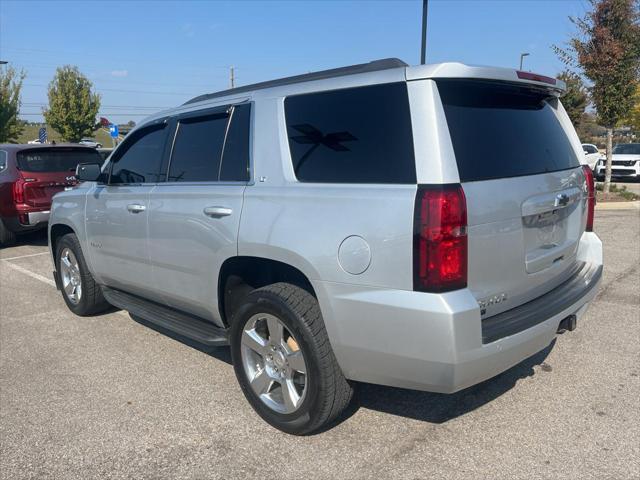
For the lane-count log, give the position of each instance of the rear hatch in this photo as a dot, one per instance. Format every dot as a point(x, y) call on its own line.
point(525, 190)
point(47, 171)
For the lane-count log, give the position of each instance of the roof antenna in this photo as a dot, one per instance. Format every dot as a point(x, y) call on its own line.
point(423, 52)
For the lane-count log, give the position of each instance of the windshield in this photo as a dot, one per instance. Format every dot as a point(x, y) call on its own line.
point(627, 149)
point(500, 130)
point(55, 159)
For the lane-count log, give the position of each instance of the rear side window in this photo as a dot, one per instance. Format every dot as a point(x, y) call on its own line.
point(212, 147)
point(198, 148)
point(235, 160)
point(59, 159)
point(139, 160)
point(501, 130)
point(355, 135)
point(3, 161)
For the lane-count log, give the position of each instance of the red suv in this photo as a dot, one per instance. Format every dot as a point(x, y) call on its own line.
point(30, 175)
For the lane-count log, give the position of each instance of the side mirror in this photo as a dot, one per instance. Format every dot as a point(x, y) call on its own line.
point(88, 172)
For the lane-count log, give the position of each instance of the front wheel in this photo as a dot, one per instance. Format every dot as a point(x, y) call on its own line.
point(284, 362)
point(80, 292)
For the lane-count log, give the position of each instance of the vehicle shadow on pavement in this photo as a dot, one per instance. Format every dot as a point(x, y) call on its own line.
point(221, 353)
point(439, 407)
point(425, 406)
point(34, 239)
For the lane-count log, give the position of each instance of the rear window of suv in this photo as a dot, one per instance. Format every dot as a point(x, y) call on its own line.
point(58, 159)
point(501, 130)
point(354, 135)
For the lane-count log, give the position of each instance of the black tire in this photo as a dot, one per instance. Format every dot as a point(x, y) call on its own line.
point(91, 301)
point(329, 393)
point(7, 237)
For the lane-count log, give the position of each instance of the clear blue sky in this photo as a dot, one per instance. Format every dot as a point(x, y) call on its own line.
point(147, 55)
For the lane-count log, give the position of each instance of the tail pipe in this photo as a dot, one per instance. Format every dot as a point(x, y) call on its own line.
point(568, 324)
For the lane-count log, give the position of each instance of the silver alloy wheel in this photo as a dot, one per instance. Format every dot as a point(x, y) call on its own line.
point(273, 363)
point(70, 276)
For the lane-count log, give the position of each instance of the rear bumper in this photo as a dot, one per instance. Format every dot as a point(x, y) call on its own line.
point(34, 221)
point(435, 342)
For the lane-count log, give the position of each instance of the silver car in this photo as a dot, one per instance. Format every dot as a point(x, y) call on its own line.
point(423, 227)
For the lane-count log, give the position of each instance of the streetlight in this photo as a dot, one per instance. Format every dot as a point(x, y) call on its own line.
point(522, 55)
point(423, 50)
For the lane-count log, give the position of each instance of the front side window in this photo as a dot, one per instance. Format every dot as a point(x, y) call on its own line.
point(140, 159)
point(354, 135)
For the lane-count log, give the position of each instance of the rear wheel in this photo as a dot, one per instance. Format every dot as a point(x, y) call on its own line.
point(284, 362)
point(80, 292)
point(7, 237)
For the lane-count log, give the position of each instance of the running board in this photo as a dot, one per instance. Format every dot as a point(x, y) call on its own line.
point(188, 326)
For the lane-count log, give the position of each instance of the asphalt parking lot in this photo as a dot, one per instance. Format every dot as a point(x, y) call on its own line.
point(108, 397)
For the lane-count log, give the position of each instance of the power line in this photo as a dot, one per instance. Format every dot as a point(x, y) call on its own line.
point(122, 91)
point(43, 104)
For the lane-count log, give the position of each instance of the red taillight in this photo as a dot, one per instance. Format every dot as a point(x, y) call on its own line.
point(18, 191)
point(535, 77)
point(591, 196)
point(440, 238)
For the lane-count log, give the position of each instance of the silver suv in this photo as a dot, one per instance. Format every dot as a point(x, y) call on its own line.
point(423, 227)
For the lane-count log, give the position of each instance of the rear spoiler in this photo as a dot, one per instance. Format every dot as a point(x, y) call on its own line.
point(462, 71)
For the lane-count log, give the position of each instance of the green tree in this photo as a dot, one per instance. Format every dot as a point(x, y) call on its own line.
point(10, 87)
point(633, 119)
point(576, 98)
point(607, 50)
point(73, 106)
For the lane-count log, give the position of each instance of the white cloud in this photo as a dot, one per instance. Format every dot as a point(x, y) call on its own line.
point(119, 73)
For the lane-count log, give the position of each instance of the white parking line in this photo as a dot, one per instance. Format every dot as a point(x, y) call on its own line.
point(25, 256)
point(20, 269)
point(37, 276)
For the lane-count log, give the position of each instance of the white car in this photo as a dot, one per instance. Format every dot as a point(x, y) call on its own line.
point(625, 162)
point(90, 142)
point(591, 155)
point(33, 142)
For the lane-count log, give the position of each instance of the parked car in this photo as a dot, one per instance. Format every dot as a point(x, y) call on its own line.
point(34, 141)
point(625, 162)
point(90, 142)
point(344, 226)
point(29, 176)
point(591, 155)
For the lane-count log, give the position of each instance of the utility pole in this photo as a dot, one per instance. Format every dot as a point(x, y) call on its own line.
point(232, 77)
point(522, 55)
point(423, 51)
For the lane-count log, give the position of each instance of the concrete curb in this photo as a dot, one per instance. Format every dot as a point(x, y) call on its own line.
point(618, 205)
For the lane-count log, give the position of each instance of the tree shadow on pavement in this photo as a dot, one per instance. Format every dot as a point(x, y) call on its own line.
point(439, 407)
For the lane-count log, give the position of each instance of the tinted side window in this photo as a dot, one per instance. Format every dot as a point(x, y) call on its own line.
point(500, 130)
point(235, 160)
point(3, 160)
point(139, 160)
point(198, 148)
point(355, 135)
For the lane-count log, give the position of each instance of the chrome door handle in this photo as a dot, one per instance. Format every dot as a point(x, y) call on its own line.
point(136, 208)
point(217, 212)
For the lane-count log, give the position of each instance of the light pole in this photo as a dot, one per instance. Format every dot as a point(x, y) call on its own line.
point(522, 55)
point(423, 50)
